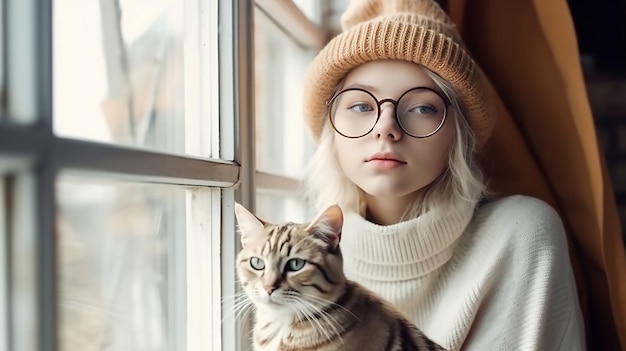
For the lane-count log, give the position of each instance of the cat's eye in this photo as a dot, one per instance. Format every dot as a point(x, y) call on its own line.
point(257, 263)
point(295, 264)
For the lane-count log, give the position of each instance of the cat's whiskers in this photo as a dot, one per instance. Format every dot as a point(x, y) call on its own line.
point(326, 302)
point(310, 316)
point(326, 317)
point(239, 296)
point(314, 313)
point(290, 298)
point(248, 311)
point(310, 312)
point(300, 316)
point(241, 304)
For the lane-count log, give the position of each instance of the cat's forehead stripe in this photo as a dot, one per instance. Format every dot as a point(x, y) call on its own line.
point(285, 248)
point(282, 240)
point(281, 236)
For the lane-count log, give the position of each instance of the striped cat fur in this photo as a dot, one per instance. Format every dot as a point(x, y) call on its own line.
point(292, 274)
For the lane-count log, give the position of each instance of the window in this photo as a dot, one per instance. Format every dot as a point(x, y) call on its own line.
point(125, 84)
point(286, 40)
point(121, 258)
point(126, 135)
point(129, 79)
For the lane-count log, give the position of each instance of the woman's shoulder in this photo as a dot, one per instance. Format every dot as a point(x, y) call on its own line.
point(511, 240)
point(518, 204)
point(516, 254)
point(518, 211)
point(518, 221)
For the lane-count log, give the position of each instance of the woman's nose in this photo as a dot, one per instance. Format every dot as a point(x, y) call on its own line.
point(387, 125)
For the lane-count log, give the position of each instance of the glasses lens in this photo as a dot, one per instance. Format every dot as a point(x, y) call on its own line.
point(353, 113)
point(421, 112)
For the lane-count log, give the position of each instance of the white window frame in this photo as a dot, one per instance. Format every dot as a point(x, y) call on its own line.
point(26, 135)
point(308, 34)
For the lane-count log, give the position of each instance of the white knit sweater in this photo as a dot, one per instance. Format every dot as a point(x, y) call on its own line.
point(495, 279)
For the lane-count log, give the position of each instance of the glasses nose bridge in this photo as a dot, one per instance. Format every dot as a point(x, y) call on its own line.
point(381, 102)
point(392, 101)
point(394, 117)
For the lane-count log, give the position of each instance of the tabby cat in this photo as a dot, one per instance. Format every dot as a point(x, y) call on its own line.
point(293, 275)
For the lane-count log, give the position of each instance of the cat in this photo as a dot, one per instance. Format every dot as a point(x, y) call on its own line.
point(293, 275)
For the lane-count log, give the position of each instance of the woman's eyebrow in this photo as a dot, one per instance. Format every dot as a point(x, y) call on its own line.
point(370, 88)
point(374, 90)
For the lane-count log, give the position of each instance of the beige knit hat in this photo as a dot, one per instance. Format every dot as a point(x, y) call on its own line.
point(412, 30)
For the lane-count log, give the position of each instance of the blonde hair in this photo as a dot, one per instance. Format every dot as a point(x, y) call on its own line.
point(461, 180)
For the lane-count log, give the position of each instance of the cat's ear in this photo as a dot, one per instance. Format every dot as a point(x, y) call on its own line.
point(328, 226)
point(249, 224)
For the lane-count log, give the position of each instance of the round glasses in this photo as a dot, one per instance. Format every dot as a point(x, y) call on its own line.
point(420, 112)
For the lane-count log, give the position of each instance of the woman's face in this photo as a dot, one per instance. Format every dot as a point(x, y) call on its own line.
point(387, 163)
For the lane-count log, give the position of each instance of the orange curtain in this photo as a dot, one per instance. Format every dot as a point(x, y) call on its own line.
point(544, 143)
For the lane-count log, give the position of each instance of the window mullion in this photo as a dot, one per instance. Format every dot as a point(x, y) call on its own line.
point(28, 78)
point(117, 160)
point(149, 166)
point(47, 267)
point(237, 72)
point(237, 137)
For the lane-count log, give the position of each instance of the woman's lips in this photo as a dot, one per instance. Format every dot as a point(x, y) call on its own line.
point(385, 163)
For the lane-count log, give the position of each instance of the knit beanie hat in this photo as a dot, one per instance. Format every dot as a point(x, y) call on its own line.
point(412, 30)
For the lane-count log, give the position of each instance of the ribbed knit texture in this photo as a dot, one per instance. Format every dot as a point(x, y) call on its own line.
point(497, 280)
point(418, 31)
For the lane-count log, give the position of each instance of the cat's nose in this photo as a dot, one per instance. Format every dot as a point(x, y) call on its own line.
point(270, 289)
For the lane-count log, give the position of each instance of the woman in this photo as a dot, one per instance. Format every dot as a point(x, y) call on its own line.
point(400, 110)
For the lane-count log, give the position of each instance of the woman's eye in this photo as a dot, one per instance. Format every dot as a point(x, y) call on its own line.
point(361, 108)
point(257, 263)
point(295, 264)
point(425, 109)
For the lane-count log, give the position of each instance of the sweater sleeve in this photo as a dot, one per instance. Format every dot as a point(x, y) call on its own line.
point(530, 301)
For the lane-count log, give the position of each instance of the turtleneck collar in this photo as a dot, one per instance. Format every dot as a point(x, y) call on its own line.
point(404, 250)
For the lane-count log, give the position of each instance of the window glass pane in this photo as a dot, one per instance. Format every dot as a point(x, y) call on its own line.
point(278, 207)
point(283, 143)
point(312, 9)
point(122, 264)
point(120, 73)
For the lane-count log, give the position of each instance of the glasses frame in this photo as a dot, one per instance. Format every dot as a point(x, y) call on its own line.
point(446, 103)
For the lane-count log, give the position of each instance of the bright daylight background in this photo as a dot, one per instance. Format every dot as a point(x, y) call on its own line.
point(138, 262)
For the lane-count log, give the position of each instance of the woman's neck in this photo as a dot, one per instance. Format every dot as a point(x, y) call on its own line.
point(387, 211)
